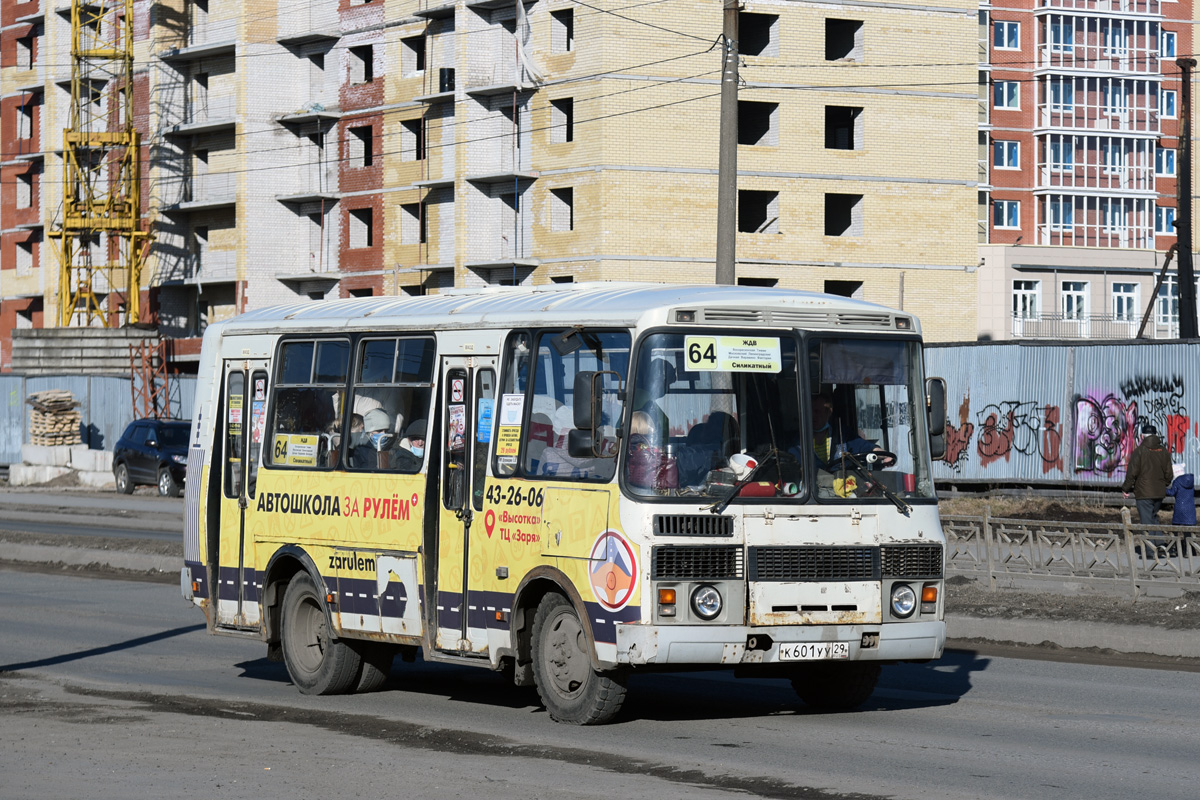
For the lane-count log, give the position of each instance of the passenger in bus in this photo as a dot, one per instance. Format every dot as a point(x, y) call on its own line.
point(649, 466)
point(368, 449)
point(409, 454)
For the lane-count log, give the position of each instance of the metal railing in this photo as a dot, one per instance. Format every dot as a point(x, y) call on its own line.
point(1121, 557)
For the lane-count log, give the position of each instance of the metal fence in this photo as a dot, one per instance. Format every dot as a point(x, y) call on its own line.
point(1120, 557)
point(106, 407)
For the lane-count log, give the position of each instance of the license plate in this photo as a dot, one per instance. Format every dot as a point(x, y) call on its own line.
point(813, 651)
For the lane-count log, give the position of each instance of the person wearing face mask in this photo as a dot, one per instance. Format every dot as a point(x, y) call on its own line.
point(411, 452)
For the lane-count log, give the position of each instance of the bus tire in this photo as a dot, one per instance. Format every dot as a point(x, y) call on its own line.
point(317, 662)
point(376, 666)
point(836, 687)
point(570, 689)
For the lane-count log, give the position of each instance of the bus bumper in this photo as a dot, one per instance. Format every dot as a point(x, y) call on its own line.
point(643, 644)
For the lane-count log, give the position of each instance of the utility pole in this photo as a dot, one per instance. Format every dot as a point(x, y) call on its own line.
point(1183, 222)
point(727, 155)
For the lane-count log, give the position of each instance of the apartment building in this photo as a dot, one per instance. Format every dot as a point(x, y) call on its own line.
point(375, 147)
point(1080, 107)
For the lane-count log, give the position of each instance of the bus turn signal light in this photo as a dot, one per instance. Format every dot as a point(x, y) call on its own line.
point(666, 597)
point(929, 596)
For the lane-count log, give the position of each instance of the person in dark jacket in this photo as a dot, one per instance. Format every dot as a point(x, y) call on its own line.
point(1148, 476)
point(1183, 489)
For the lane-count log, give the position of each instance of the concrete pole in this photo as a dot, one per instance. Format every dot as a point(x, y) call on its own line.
point(727, 155)
point(1183, 220)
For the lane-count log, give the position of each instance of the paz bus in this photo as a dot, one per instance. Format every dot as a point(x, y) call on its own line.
point(571, 484)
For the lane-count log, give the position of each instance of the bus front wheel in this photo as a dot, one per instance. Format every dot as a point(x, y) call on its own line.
point(317, 662)
point(836, 687)
point(570, 689)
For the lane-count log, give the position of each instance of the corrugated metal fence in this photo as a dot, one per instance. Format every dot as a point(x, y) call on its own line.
point(106, 407)
point(1065, 414)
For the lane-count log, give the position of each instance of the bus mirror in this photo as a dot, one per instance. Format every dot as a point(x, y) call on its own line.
point(937, 447)
point(586, 401)
point(935, 389)
point(579, 444)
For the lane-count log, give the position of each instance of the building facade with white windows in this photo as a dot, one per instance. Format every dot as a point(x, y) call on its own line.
point(1078, 139)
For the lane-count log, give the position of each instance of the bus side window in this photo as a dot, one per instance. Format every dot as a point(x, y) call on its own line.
point(510, 408)
point(485, 414)
point(559, 357)
point(235, 386)
point(306, 414)
point(389, 407)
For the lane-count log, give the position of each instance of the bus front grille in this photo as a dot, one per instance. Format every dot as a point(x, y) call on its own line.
point(911, 561)
point(692, 525)
point(814, 563)
point(712, 562)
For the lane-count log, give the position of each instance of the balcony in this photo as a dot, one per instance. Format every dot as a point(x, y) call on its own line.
point(1101, 163)
point(308, 24)
point(1119, 105)
point(1068, 42)
point(1125, 7)
point(1087, 326)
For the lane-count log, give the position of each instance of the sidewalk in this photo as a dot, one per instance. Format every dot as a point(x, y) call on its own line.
point(961, 629)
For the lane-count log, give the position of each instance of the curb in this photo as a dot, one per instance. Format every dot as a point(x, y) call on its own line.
point(1076, 635)
point(84, 556)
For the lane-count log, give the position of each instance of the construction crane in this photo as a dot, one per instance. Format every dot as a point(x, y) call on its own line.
point(101, 243)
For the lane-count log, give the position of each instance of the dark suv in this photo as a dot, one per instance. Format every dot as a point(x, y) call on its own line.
point(152, 451)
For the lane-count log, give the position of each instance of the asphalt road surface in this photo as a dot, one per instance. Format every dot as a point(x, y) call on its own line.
point(112, 689)
point(78, 513)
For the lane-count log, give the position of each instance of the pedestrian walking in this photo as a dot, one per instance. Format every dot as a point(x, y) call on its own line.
point(1183, 489)
point(1148, 476)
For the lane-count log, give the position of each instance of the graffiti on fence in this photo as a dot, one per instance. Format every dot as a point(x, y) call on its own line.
point(1024, 426)
point(1104, 433)
point(958, 439)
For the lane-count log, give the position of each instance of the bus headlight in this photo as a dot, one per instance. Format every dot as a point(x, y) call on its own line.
point(706, 602)
point(904, 600)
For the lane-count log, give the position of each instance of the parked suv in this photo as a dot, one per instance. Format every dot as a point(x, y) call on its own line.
point(152, 451)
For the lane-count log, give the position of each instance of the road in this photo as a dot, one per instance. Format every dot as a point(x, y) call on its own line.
point(113, 689)
point(95, 514)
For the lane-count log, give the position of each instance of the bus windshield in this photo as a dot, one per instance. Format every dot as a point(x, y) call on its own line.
point(715, 415)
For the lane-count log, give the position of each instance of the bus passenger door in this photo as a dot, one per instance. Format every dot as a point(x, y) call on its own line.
point(467, 398)
point(242, 425)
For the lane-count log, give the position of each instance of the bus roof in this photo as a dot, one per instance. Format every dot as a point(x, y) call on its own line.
point(600, 303)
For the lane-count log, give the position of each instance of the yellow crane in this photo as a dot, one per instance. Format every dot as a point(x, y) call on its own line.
point(101, 241)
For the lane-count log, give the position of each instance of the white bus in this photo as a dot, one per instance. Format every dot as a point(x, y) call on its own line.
point(571, 484)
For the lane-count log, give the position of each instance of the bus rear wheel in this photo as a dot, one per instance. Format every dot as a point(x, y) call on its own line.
point(570, 689)
point(317, 662)
point(836, 687)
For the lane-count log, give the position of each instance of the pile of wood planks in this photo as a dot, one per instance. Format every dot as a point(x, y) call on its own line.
point(54, 419)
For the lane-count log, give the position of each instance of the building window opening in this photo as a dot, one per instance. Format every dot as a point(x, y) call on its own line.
point(562, 120)
point(562, 209)
point(361, 228)
point(562, 31)
point(852, 289)
point(842, 128)
point(758, 123)
point(412, 139)
point(758, 211)
point(843, 40)
point(843, 215)
point(759, 34)
point(412, 55)
point(361, 146)
point(362, 64)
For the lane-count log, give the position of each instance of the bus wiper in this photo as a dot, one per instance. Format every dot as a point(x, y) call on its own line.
point(720, 506)
point(904, 507)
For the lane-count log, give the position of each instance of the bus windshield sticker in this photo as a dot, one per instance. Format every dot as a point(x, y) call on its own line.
point(458, 428)
point(260, 388)
point(508, 428)
point(732, 353)
point(483, 426)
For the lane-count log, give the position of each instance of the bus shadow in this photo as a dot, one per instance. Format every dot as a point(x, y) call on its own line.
point(678, 696)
